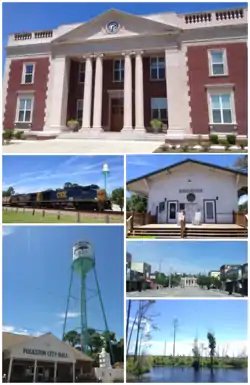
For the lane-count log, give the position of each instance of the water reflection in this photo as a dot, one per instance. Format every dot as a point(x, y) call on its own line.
point(187, 374)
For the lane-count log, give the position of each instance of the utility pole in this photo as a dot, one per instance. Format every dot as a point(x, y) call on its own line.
point(175, 323)
point(165, 348)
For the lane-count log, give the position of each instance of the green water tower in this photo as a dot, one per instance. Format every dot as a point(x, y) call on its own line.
point(82, 264)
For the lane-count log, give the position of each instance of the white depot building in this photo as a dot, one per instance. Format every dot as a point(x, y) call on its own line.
point(192, 187)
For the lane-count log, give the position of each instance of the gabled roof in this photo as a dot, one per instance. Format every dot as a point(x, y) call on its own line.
point(205, 164)
point(113, 14)
point(11, 340)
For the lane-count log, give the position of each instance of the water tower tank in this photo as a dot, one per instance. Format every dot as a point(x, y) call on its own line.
point(83, 257)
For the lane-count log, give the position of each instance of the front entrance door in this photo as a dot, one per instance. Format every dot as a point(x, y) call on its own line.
point(190, 210)
point(172, 211)
point(209, 211)
point(116, 121)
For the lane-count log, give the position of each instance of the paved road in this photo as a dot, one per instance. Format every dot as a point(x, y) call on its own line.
point(87, 146)
point(188, 292)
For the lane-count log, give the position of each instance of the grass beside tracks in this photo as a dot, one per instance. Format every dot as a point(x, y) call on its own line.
point(28, 217)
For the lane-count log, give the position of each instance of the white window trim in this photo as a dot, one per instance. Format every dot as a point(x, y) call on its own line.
point(77, 109)
point(116, 70)
point(24, 73)
point(220, 91)
point(210, 62)
point(79, 73)
point(24, 96)
point(158, 79)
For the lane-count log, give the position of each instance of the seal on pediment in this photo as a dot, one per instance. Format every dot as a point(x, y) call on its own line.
point(113, 27)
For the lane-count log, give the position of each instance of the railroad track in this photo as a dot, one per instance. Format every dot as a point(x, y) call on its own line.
point(105, 212)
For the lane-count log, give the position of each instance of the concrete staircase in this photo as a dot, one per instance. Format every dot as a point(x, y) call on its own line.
point(126, 135)
point(190, 233)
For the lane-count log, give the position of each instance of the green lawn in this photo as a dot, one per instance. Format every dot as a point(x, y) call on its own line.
point(27, 217)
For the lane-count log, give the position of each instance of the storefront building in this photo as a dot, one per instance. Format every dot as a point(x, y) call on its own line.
point(119, 71)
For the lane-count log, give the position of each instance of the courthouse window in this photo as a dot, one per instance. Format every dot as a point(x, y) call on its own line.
point(28, 73)
point(221, 108)
point(79, 109)
point(218, 62)
point(157, 68)
point(24, 109)
point(159, 109)
point(118, 70)
point(81, 72)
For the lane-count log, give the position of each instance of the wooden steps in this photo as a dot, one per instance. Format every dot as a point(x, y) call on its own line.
point(190, 233)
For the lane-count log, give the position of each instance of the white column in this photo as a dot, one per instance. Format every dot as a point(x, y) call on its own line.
point(74, 372)
point(34, 374)
point(10, 369)
point(97, 120)
point(55, 371)
point(57, 94)
point(6, 77)
point(139, 96)
point(87, 93)
point(179, 121)
point(127, 125)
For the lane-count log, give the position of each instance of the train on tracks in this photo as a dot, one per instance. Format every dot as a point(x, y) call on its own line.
point(234, 278)
point(89, 198)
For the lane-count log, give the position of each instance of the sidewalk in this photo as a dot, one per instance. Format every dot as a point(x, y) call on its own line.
point(71, 146)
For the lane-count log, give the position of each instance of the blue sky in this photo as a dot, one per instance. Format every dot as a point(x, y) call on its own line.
point(21, 17)
point(188, 257)
point(138, 165)
point(36, 273)
point(226, 318)
point(33, 173)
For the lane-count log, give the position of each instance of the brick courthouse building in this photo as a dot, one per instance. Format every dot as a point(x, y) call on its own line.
point(118, 71)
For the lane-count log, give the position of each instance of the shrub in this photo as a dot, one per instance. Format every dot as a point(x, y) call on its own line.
point(214, 139)
point(242, 143)
point(185, 148)
point(19, 134)
point(224, 142)
point(8, 135)
point(231, 139)
point(173, 147)
point(156, 123)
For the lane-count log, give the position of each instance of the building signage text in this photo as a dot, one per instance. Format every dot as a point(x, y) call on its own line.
point(192, 190)
point(49, 353)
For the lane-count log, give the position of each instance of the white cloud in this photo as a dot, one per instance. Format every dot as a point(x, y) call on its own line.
point(8, 230)
point(230, 347)
point(140, 161)
point(16, 330)
point(69, 315)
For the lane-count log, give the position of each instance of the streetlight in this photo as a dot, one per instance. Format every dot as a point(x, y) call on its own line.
point(105, 172)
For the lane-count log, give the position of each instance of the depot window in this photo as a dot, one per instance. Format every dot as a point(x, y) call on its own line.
point(221, 108)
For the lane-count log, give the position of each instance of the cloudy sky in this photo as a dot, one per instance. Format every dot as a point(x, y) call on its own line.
point(33, 173)
point(226, 318)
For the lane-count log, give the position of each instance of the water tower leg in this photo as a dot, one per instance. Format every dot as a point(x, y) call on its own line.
point(67, 305)
point(84, 325)
point(104, 315)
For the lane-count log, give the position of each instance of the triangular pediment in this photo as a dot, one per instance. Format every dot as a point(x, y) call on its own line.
point(115, 24)
point(46, 347)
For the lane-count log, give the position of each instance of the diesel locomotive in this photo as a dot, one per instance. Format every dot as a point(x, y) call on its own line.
point(89, 198)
